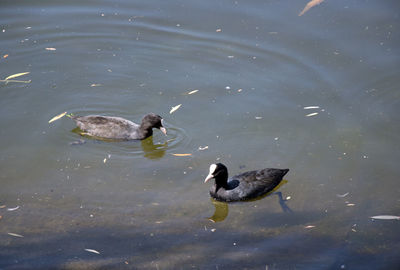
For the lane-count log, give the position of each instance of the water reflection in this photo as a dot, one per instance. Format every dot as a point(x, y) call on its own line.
point(222, 209)
point(153, 151)
point(150, 150)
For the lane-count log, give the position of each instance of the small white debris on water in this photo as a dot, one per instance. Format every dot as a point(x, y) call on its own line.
point(13, 209)
point(92, 250)
point(15, 234)
point(288, 198)
point(342, 195)
point(386, 217)
point(311, 114)
point(227, 87)
point(311, 107)
point(173, 109)
point(258, 117)
point(192, 92)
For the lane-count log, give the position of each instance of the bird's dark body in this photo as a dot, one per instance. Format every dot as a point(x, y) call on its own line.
point(111, 127)
point(247, 185)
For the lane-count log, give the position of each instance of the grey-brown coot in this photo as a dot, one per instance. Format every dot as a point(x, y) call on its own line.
point(110, 127)
point(244, 186)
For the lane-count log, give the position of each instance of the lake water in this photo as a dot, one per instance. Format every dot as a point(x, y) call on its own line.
point(257, 66)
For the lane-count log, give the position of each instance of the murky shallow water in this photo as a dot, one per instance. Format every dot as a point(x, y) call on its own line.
point(256, 66)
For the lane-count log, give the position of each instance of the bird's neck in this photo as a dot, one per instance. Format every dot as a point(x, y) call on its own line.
point(145, 131)
point(221, 181)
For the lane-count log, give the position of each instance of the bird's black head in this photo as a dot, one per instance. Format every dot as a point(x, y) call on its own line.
point(219, 172)
point(152, 120)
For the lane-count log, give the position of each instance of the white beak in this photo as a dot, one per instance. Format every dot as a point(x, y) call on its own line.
point(162, 128)
point(210, 176)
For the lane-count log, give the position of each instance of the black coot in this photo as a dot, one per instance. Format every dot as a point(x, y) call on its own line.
point(110, 127)
point(244, 186)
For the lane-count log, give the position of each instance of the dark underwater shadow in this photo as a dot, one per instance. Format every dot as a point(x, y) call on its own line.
point(129, 247)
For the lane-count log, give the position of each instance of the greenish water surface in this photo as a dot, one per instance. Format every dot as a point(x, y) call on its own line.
point(257, 67)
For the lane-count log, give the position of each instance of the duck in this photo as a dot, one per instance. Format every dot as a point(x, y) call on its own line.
point(244, 186)
point(111, 127)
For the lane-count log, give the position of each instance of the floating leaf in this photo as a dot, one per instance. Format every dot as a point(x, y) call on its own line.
point(175, 108)
point(5, 56)
point(342, 195)
point(309, 5)
point(386, 217)
point(311, 114)
point(92, 250)
point(311, 107)
point(15, 234)
point(13, 209)
point(57, 117)
point(192, 92)
point(182, 155)
point(16, 75)
point(78, 142)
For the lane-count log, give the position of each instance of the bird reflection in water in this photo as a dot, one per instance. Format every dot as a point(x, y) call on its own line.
point(150, 150)
point(222, 210)
point(153, 151)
